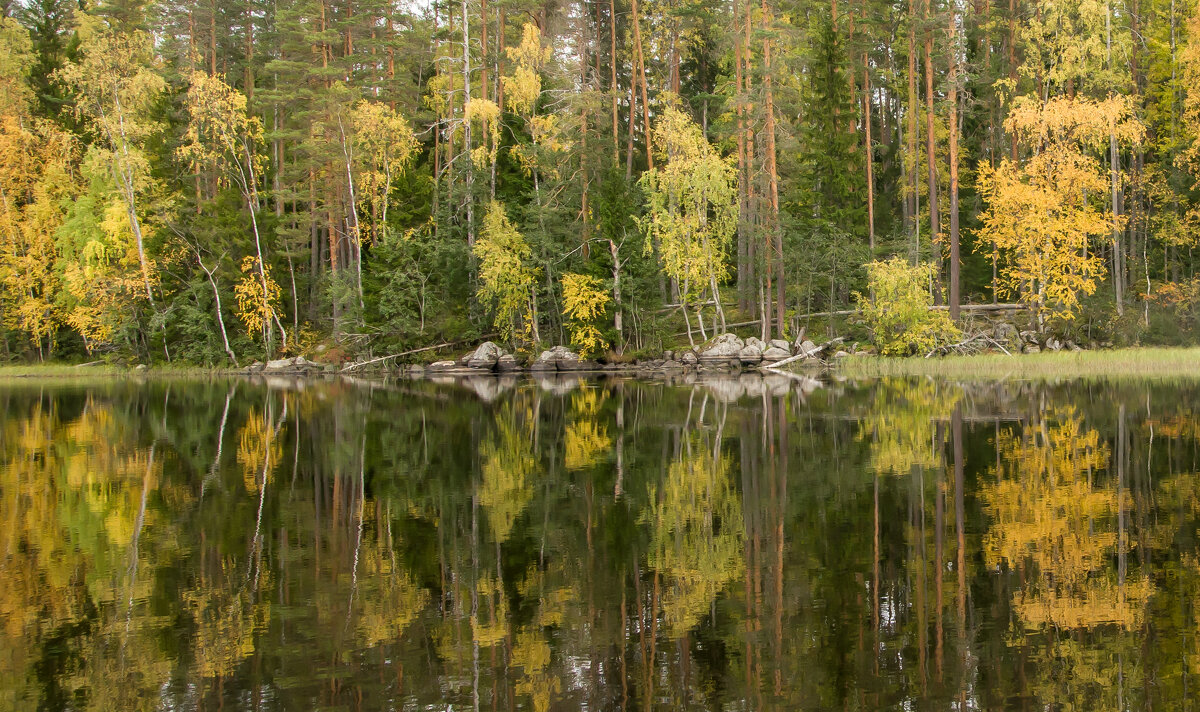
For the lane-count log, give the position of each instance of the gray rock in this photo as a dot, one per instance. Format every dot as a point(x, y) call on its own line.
point(443, 365)
point(1072, 346)
point(321, 348)
point(775, 353)
point(141, 368)
point(1003, 331)
point(668, 355)
point(726, 347)
point(757, 342)
point(1053, 344)
point(808, 348)
point(688, 358)
point(672, 366)
point(560, 358)
point(1032, 349)
point(781, 344)
point(416, 370)
point(279, 364)
point(507, 362)
point(751, 353)
point(841, 354)
point(485, 356)
point(255, 367)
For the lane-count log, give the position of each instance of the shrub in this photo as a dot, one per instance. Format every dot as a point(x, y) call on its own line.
point(898, 309)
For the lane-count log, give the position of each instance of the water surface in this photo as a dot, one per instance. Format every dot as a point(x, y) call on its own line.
point(564, 544)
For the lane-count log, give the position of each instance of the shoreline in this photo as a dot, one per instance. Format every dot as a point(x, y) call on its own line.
point(1132, 362)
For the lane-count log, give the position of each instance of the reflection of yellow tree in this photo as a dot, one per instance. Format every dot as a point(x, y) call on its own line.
point(258, 450)
point(531, 650)
point(226, 620)
point(75, 499)
point(902, 422)
point(697, 536)
point(508, 466)
point(489, 624)
point(585, 440)
point(391, 599)
point(1047, 511)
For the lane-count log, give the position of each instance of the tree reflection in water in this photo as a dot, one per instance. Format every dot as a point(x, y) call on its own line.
point(555, 543)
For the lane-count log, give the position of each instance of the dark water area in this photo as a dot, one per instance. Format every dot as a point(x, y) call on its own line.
point(725, 544)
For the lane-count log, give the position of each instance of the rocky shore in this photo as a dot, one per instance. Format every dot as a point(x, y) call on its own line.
point(726, 352)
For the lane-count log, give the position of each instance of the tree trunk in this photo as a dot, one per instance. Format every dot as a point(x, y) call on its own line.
point(776, 233)
point(955, 267)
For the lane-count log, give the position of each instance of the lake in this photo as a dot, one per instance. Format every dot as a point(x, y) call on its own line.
point(727, 543)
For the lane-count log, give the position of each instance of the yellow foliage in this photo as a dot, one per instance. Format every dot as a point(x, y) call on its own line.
point(505, 278)
point(384, 144)
point(1041, 212)
point(899, 308)
point(255, 308)
point(583, 304)
point(692, 207)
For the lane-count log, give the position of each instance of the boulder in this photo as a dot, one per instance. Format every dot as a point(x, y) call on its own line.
point(487, 355)
point(279, 364)
point(668, 355)
point(841, 354)
point(672, 366)
point(751, 353)
point(808, 348)
point(1053, 344)
point(560, 358)
point(775, 353)
point(1072, 346)
point(255, 367)
point(1003, 331)
point(780, 344)
point(141, 368)
point(688, 358)
point(756, 342)
point(507, 362)
point(726, 347)
point(443, 365)
point(1032, 349)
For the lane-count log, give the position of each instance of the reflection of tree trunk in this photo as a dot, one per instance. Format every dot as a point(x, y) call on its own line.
point(920, 559)
point(779, 501)
point(960, 566)
point(939, 520)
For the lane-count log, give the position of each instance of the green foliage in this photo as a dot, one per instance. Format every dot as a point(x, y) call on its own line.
point(899, 309)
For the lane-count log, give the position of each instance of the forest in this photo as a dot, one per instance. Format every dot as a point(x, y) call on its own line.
point(217, 181)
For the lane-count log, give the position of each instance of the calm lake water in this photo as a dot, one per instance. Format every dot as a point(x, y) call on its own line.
point(730, 544)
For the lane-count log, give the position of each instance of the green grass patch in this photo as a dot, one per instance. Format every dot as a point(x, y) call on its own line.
point(63, 370)
point(1116, 363)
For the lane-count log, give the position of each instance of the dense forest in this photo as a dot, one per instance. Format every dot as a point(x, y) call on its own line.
point(219, 180)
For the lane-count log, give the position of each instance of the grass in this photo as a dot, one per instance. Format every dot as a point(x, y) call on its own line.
point(1117, 363)
point(62, 370)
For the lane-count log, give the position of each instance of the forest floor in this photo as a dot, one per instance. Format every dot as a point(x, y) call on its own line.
point(1138, 362)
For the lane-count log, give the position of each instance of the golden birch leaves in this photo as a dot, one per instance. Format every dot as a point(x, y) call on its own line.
point(692, 208)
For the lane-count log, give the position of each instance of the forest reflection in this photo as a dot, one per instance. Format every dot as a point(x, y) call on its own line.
point(501, 544)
